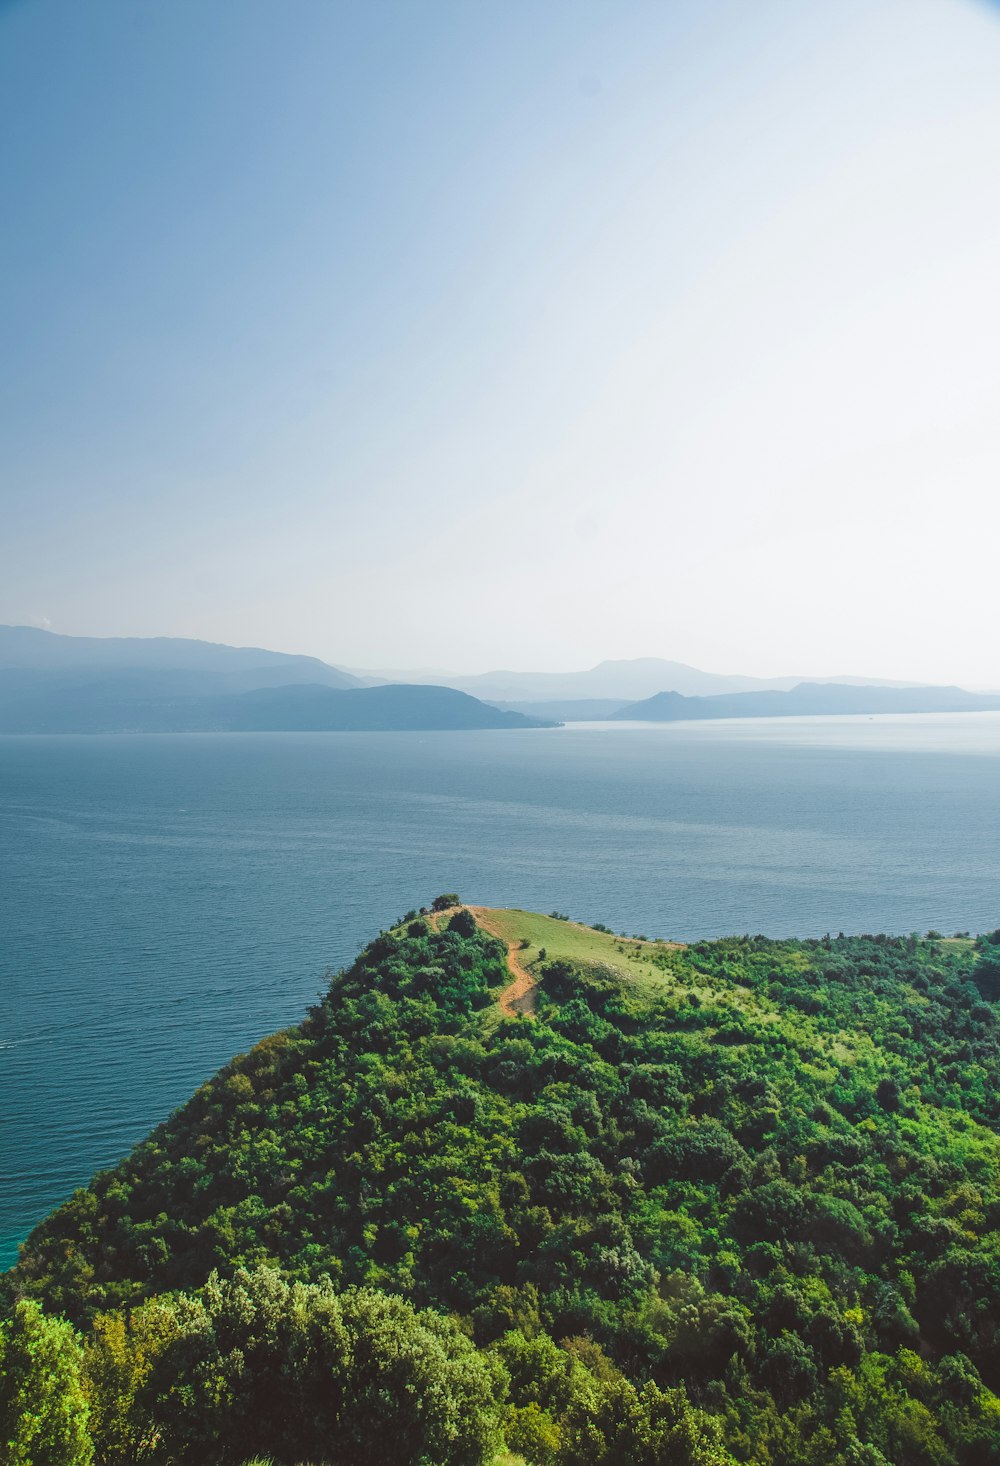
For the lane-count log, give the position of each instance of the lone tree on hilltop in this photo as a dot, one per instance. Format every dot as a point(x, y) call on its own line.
point(441, 903)
point(464, 923)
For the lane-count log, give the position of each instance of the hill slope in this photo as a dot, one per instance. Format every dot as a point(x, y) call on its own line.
point(573, 710)
point(388, 708)
point(766, 1171)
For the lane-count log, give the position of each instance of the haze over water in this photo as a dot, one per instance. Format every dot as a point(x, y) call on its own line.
point(169, 900)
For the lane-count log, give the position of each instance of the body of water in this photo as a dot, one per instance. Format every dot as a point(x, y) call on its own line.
point(166, 901)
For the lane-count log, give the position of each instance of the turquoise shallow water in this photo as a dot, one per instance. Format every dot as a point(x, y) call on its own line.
point(166, 901)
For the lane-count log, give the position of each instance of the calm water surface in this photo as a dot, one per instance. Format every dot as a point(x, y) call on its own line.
point(165, 901)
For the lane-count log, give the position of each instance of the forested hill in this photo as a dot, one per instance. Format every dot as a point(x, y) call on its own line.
point(734, 1201)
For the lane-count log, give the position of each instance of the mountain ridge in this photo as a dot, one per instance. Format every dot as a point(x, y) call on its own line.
point(622, 680)
point(32, 647)
point(55, 683)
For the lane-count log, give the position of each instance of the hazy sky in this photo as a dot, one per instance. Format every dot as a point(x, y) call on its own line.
point(497, 333)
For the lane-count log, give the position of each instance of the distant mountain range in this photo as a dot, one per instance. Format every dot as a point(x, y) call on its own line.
point(612, 682)
point(60, 684)
point(66, 684)
point(808, 698)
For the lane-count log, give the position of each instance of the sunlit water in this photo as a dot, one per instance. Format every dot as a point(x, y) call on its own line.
point(168, 900)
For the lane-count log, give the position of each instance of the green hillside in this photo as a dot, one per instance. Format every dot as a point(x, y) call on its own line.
point(738, 1200)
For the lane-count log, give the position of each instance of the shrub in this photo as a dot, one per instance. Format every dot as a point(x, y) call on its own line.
point(464, 923)
point(43, 1410)
point(298, 1372)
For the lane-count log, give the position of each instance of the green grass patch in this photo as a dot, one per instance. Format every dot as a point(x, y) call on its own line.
point(570, 941)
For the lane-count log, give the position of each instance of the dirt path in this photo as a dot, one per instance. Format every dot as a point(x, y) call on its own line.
point(436, 917)
point(519, 997)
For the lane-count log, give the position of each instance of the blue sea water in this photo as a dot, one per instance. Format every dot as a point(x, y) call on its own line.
point(166, 901)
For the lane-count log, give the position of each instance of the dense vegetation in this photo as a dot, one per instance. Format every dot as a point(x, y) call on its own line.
point(739, 1201)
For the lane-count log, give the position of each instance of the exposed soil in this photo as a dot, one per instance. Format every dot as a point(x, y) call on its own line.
point(519, 997)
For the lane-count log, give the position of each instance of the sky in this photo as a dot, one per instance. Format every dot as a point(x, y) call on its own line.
point(480, 334)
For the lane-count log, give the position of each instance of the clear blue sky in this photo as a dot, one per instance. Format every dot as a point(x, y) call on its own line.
point(524, 334)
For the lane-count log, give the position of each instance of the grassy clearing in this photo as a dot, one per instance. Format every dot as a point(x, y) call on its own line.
point(645, 963)
point(662, 970)
point(658, 970)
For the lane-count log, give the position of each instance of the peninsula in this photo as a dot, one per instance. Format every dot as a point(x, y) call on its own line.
point(523, 1189)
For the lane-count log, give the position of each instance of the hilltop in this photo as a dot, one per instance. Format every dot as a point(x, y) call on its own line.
point(736, 1200)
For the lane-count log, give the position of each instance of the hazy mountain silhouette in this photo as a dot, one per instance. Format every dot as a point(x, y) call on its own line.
point(235, 668)
point(55, 683)
point(621, 681)
point(817, 698)
point(126, 704)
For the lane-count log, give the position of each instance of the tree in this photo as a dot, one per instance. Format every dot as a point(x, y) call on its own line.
point(418, 1389)
point(442, 903)
point(298, 1372)
point(464, 923)
point(43, 1410)
point(987, 972)
point(120, 1359)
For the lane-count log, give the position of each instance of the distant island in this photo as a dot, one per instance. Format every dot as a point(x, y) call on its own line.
point(523, 1190)
point(826, 699)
